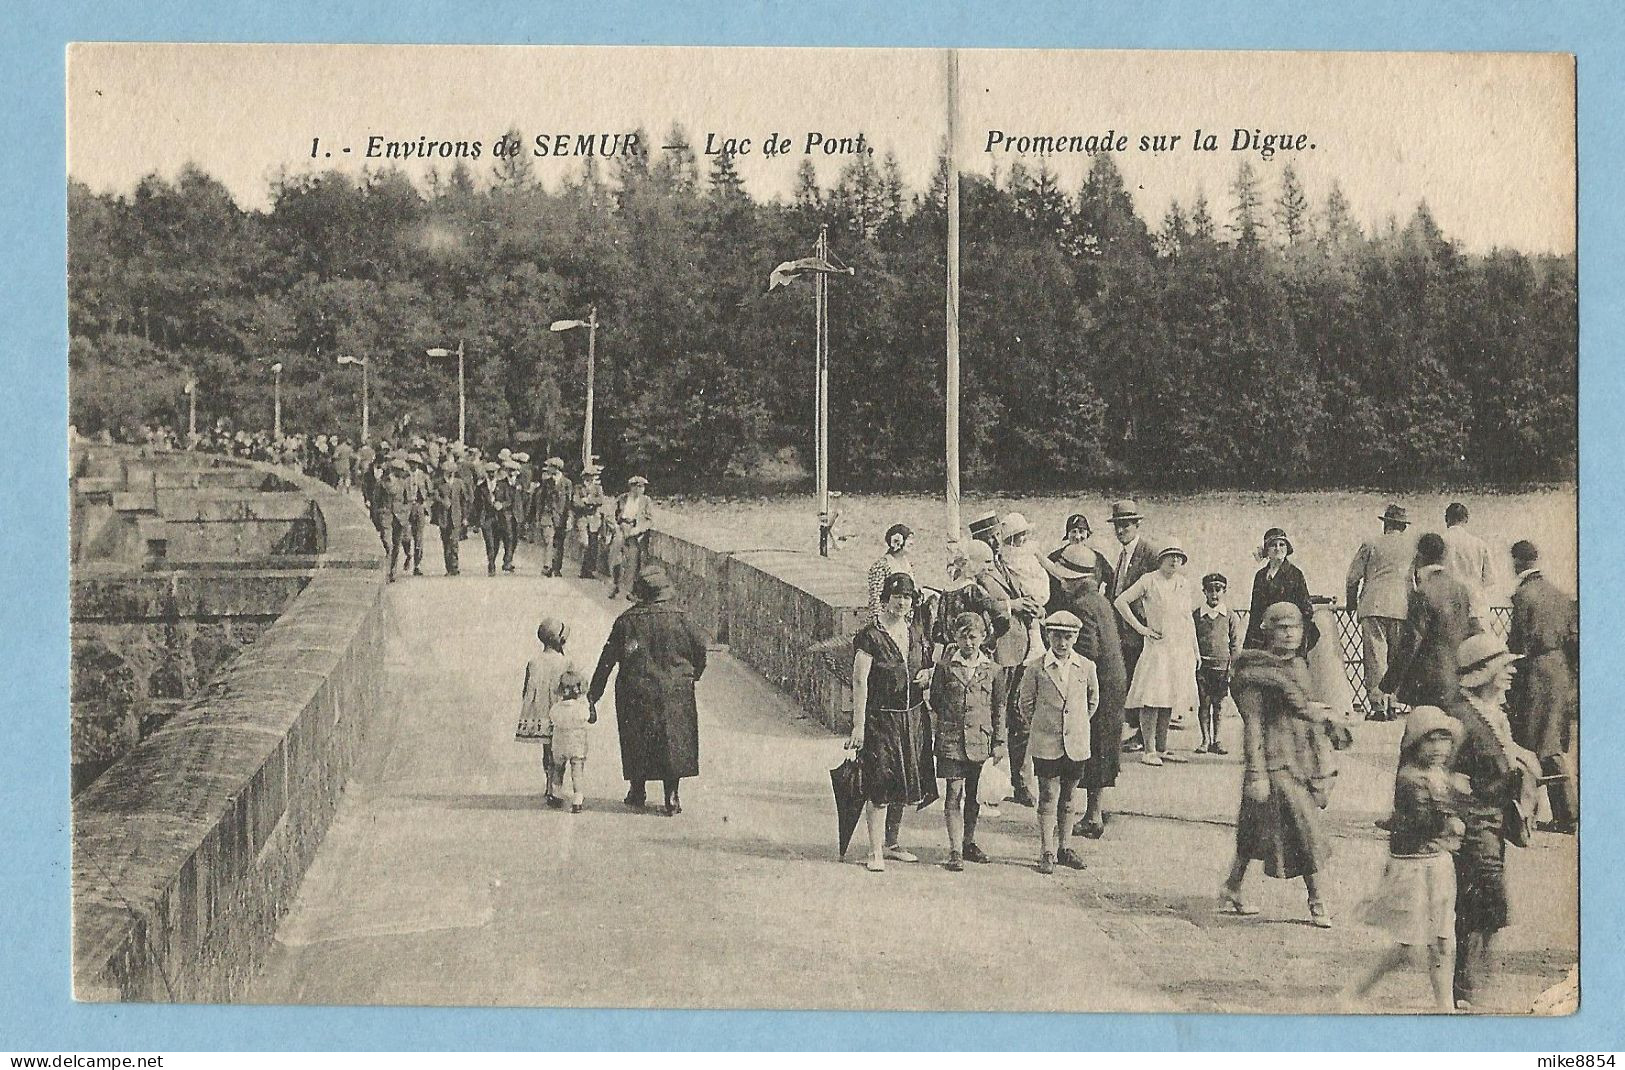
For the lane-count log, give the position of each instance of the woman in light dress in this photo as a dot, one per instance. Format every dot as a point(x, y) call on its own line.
point(1165, 677)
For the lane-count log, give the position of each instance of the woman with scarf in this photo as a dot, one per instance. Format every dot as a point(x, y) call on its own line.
point(1279, 823)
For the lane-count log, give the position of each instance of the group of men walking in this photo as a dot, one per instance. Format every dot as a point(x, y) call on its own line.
point(507, 501)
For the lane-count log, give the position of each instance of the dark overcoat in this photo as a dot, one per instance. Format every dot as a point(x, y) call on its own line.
point(661, 653)
point(1099, 641)
point(1422, 672)
point(1542, 700)
point(1288, 585)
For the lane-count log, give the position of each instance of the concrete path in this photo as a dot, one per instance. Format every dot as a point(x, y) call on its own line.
point(445, 880)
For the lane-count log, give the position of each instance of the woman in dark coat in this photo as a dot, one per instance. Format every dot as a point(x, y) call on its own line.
point(890, 728)
point(1100, 642)
point(661, 653)
point(1279, 581)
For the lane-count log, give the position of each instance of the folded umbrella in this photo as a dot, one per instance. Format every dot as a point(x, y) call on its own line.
point(846, 780)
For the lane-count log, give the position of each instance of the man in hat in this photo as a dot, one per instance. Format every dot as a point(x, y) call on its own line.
point(660, 652)
point(511, 496)
point(1467, 557)
point(587, 506)
point(1378, 589)
point(1098, 640)
point(396, 493)
point(1135, 558)
point(451, 502)
point(1422, 666)
point(422, 494)
point(1546, 631)
point(551, 506)
point(527, 496)
point(374, 477)
point(634, 519)
point(491, 501)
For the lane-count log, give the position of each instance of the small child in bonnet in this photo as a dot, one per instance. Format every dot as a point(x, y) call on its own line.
point(570, 716)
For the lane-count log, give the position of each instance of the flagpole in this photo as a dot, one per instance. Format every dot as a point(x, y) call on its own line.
point(951, 391)
point(821, 303)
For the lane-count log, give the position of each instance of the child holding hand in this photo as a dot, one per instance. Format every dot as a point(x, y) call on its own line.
point(570, 716)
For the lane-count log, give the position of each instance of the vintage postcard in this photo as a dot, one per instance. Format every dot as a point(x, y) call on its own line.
point(824, 528)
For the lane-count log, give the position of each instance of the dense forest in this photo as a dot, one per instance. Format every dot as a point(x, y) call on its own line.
point(1255, 340)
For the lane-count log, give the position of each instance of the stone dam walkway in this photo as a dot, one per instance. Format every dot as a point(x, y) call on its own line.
point(444, 879)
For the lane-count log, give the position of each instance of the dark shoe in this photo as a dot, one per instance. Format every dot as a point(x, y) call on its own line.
point(575, 808)
point(1134, 746)
point(635, 801)
point(507, 568)
point(973, 853)
point(1022, 797)
point(417, 572)
point(674, 806)
point(1046, 864)
point(391, 575)
point(1384, 823)
point(956, 862)
point(1214, 748)
point(554, 801)
point(1069, 858)
point(1089, 830)
point(1561, 828)
point(490, 570)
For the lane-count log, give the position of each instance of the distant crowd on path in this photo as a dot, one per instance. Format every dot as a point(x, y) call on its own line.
point(1048, 666)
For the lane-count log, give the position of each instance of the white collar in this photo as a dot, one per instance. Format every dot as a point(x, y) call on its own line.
point(1219, 610)
point(1053, 662)
point(1427, 569)
point(976, 659)
point(1526, 574)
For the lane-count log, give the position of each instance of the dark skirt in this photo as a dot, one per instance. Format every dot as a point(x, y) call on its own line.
point(898, 767)
point(1284, 832)
point(1481, 888)
point(1105, 746)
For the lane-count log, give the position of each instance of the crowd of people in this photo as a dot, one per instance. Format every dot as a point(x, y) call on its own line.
point(1052, 665)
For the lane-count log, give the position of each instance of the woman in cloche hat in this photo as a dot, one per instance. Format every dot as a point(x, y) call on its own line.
point(1165, 675)
point(1279, 581)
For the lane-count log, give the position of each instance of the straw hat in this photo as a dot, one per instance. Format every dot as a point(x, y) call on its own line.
point(1077, 561)
point(1014, 524)
point(1125, 511)
point(1172, 546)
point(1395, 514)
point(1480, 657)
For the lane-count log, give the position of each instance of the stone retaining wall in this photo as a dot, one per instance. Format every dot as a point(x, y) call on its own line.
point(190, 848)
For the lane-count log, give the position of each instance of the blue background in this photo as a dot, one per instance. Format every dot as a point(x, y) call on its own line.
point(35, 1009)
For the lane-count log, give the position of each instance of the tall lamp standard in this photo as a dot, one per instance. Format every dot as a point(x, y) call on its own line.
point(190, 390)
point(276, 400)
point(462, 410)
point(591, 323)
point(360, 362)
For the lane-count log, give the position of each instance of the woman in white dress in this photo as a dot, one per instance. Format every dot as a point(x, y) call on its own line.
point(1165, 678)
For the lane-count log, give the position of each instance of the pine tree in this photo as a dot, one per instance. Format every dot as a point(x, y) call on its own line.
point(1175, 234)
point(1292, 208)
point(724, 180)
point(676, 170)
point(1338, 226)
point(808, 196)
point(1202, 226)
point(1246, 217)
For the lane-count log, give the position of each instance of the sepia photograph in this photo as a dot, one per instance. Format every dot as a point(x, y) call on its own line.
point(849, 529)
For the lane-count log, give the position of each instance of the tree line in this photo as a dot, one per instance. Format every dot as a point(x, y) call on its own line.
point(1263, 340)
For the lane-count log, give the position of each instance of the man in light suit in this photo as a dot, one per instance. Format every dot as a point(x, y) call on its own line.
point(1422, 670)
point(1137, 558)
point(1378, 589)
point(1058, 694)
point(1467, 557)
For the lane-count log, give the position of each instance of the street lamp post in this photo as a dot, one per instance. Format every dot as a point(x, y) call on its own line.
point(462, 410)
point(361, 362)
point(190, 390)
point(591, 323)
point(276, 403)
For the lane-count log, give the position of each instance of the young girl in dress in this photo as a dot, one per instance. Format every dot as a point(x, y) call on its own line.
point(570, 716)
point(1165, 676)
point(538, 694)
point(1415, 902)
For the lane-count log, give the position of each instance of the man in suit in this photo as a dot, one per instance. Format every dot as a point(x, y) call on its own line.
point(1467, 557)
point(1378, 588)
point(551, 505)
point(1137, 558)
point(587, 502)
point(1058, 693)
point(395, 493)
point(511, 498)
point(634, 518)
point(451, 501)
point(421, 494)
point(1422, 669)
point(472, 468)
point(1545, 630)
point(490, 501)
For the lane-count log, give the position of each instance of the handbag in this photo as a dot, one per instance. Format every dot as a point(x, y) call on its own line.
point(994, 786)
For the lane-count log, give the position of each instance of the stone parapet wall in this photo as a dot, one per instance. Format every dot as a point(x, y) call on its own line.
point(190, 848)
point(787, 615)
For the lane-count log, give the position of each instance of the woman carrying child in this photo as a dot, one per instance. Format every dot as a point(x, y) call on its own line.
point(1415, 902)
point(967, 709)
point(540, 691)
point(1279, 823)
